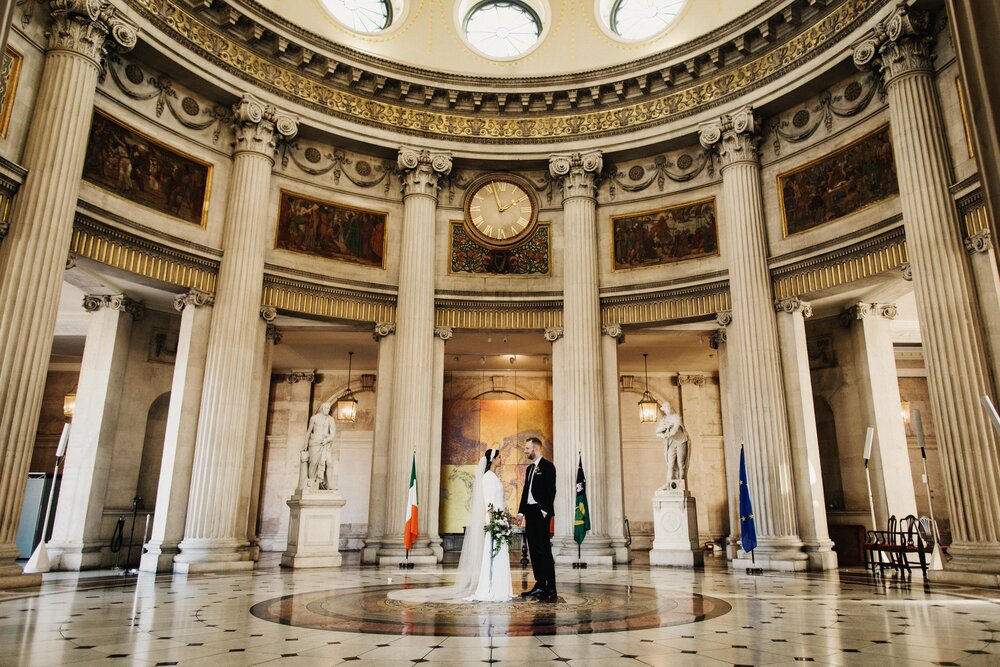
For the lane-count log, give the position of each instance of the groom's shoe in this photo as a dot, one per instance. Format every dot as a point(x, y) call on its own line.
point(548, 596)
point(534, 592)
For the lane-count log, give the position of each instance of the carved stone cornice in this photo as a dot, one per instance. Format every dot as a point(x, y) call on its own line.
point(979, 242)
point(383, 330)
point(89, 28)
point(724, 318)
point(614, 331)
point(273, 334)
point(258, 126)
point(120, 302)
point(296, 377)
point(899, 45)
point(718, 339)
point(553, 334)
point(695, 379)
point(735, 137)
point(194, 298)
point(422, 170)
point(444, 333)
point(268, 313)
point(792, 305)
point(578, 172)
point(863, 310)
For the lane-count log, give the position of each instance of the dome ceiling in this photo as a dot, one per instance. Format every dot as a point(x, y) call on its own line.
point(576, 35)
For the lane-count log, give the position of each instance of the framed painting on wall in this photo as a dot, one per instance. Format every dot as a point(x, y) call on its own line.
point(141, 169)
point(330, 230)
point(10, 71)
point(665, 235)
point(846, 181)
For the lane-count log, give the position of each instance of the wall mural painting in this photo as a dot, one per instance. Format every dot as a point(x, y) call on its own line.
point(469, 427)
point(531, 258)
point(844, 182)
point(330, 230)
point(652, 238)
point(134, 166)
point(10, 71)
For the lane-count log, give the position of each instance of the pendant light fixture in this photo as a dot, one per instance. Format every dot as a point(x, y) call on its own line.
point(647, 405)
point(347, 405)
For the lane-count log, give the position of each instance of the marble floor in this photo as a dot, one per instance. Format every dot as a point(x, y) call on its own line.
point(629, 616)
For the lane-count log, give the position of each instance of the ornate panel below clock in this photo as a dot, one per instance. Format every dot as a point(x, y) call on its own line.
point(530, 258)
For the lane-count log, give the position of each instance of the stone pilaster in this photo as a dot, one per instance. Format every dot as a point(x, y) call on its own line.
point(215, 532)
point(411, 420)
point(754, 341)
point(731, 437)
point(581, 354)
point(33, 255)
point(792, 314)
point(384, 336)
point(270, 336)
point(901, 49)
point(615, 501)
point(441, 336)
point(76, 532)
point(983, 262)
point(182, 428)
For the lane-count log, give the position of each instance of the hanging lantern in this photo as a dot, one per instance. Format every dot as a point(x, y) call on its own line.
point(69, 403)
point(648, 407)
point(347, 405)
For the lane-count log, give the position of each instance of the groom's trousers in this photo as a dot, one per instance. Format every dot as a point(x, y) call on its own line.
point(536, 530)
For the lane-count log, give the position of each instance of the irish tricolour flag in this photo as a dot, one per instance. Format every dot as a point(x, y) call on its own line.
point(410, 530)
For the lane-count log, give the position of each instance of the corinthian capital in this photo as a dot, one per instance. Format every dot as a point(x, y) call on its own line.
point(258, 126)
point(734, 137)
point(900, 44)
point(578, 173)
point(89, 28)
point(794, 305)
point(422, 170)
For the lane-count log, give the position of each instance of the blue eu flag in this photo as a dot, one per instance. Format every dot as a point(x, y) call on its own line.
point(748, 531)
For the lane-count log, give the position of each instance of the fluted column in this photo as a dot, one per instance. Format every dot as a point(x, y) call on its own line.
point(441, 336)
point(214, 536)
point(615, 509)
point(76, 531)
point(792, 314)
point(983, 262)
point(581, 353)
point(901, 48)
point(754, 341)
point(33, 255)
point(411, 401)
point(384, 336)
point(731, 429)
point(182, 427)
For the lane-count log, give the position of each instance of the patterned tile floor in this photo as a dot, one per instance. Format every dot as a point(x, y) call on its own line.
point(840, 618)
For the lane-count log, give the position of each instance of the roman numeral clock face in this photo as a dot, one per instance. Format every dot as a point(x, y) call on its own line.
point(500, 212)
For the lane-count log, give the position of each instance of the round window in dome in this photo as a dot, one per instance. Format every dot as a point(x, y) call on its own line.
point(361, 15)
point(502, 28)
point(641, 19)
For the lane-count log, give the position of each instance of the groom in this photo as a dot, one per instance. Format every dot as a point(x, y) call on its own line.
point(537, 500)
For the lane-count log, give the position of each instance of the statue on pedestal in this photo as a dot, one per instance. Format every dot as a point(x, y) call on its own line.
point(322, 429)
point(675, 444)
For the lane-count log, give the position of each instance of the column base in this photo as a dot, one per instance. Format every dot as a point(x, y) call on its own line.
point(75, 557)
point(429, 560)
point(437, 548)
point(158, 558)
point(595, 551)
point(821, 557)
point(968, 570)
point(369, 553)
point(11, 576)
point(213, 555)
point(621, 554)
point(765, 561)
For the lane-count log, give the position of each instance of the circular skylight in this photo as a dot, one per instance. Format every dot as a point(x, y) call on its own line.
point(502, 28)
point(361, 15)
point(641, 19)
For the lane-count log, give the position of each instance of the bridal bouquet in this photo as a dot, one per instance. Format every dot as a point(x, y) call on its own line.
point(499, 528)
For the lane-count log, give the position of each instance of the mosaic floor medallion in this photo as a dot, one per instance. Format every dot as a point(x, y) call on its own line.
point(582, 608)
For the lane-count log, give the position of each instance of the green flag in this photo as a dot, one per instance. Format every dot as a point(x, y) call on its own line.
point(581, 520)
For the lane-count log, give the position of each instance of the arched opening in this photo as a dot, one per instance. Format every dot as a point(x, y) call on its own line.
point(152, 451)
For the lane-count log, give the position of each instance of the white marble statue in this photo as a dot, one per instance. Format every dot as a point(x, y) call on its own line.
point(322, 429)
point(675, 443)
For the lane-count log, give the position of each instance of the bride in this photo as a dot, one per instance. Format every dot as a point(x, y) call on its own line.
point(482, 576)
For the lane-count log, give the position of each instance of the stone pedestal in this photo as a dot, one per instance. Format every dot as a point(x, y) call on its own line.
point(675, 528)
point(314, 530)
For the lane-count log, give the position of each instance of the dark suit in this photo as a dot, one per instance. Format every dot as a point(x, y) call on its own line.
point(536, 524)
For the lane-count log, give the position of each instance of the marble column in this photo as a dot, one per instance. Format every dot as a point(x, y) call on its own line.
point(875, 360)
point(76, 531)
point(615, 501)
point(214, 536)
point(754, 342)
point(33, 255)
point(441, 336)
point(384, 336)
point(410, 429)
point(182, 427)
point(792, 314)
point(562, 447)
point(901, 47)
point(581, 354)
point(983, 263)
point(269, 336)
point(731, 433)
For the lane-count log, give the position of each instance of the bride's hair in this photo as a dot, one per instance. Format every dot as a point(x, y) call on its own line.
point(491, 455)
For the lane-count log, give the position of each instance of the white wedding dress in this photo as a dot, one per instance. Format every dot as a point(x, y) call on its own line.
point(494, 572)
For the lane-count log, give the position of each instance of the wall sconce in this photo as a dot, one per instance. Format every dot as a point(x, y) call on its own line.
point(69, 403)
point(647, 405)
point(904, 411)
point(347, 405)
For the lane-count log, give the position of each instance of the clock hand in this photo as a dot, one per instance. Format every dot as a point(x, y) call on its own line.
point(497, 198)
point(516, 201)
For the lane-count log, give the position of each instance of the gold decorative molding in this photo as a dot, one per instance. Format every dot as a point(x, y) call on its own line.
point(532, 315)
point(689, 303)
point(975, 217)
point(115, 248)
point(886, 252)
point(294, 296)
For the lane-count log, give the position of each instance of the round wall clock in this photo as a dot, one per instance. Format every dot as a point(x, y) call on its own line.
point(501, 210)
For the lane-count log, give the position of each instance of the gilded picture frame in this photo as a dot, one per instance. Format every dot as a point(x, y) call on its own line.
point(10, 73)
point(656, 254)
point(330, 237)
